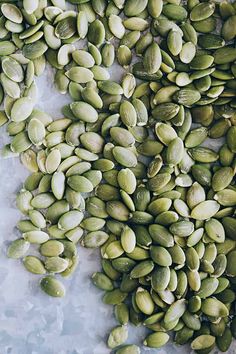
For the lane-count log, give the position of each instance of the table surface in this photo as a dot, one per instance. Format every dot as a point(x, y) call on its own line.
point(30, 321)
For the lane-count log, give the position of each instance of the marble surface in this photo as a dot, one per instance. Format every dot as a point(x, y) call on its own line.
point(31, 322)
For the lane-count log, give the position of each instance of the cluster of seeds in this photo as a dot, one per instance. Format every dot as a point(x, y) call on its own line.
point(124, 169)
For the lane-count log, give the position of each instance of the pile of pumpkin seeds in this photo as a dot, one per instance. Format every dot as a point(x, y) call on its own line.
point(126, 168)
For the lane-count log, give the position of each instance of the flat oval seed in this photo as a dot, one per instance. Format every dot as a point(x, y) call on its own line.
point(128, 239)
point(208, 287)
point(117, 336)
point(175, 311)
point(12, 13)
point(102, 281)
point(84, 111)
point(129, 349)
point(82, 24)
point(116, 26)
point(174, 42)
point(202, 342)
point(21, 109)
point(7, 48)
point(152, 58)
point(92, 224)
point(126, 180)
point(205, 210)
point(34, 265)
point(37, 237)
point(80, 75)
point(156, 340)
point(124, 156)
point(35, 50)
point(144, 301)
point(70, 220)
point(12, 69)
point(214, 307)
point(160, 278)
point(37, 219)
point(53, 161)
point(18, 248)
point(202, 11)
point(80, 184)
point(95, 239)
point(56, 264)
point(187, 53)
point(52, 287)
point(36, 131)
point(52, 248)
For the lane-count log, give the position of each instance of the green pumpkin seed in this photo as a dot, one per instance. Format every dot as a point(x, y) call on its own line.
point(156, 340)
point(214, 307)
point(205, 210)
point(144, 301)
point(21, 109)
point(18, 249)
point(70, 220)
point(34, 265)
point(95, 239)
point(174, 42)
point(152, 58)
point(96, 33)
point(117, 337)
point(84, 111)
point(52, 287)
point(56, 264)
point(11, 12)
point(202, 11)
point(102, 281)
point(133, 8)
point(203, 342)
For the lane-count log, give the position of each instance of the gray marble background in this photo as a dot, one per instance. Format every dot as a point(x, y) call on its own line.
point(30, 321)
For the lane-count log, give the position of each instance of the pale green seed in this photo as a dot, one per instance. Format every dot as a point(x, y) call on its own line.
point(144, 301)
point(214, 307)
point(84, 111)
point(82, 24)
point(187, 53)
point(6, 48)
point(18, 249)
point(12, 13)
point(56, 264)
point(174, 42)
point(94, 239)
point(21, 109)
point(215, 230)
point(37, 219)
point(52, 287)
point(126, 180)
point(102, 281)
point(70, 220)
point(156, 340)
point(37, 237)
point(128, 239)
point(34, 265)
point(152, 58)
point(117, 336)
point(30, 6)
point(80, 75)
point(52, 248)
point(124, 156)
point(116, 26)
point(12, 69)
point(36, 131)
